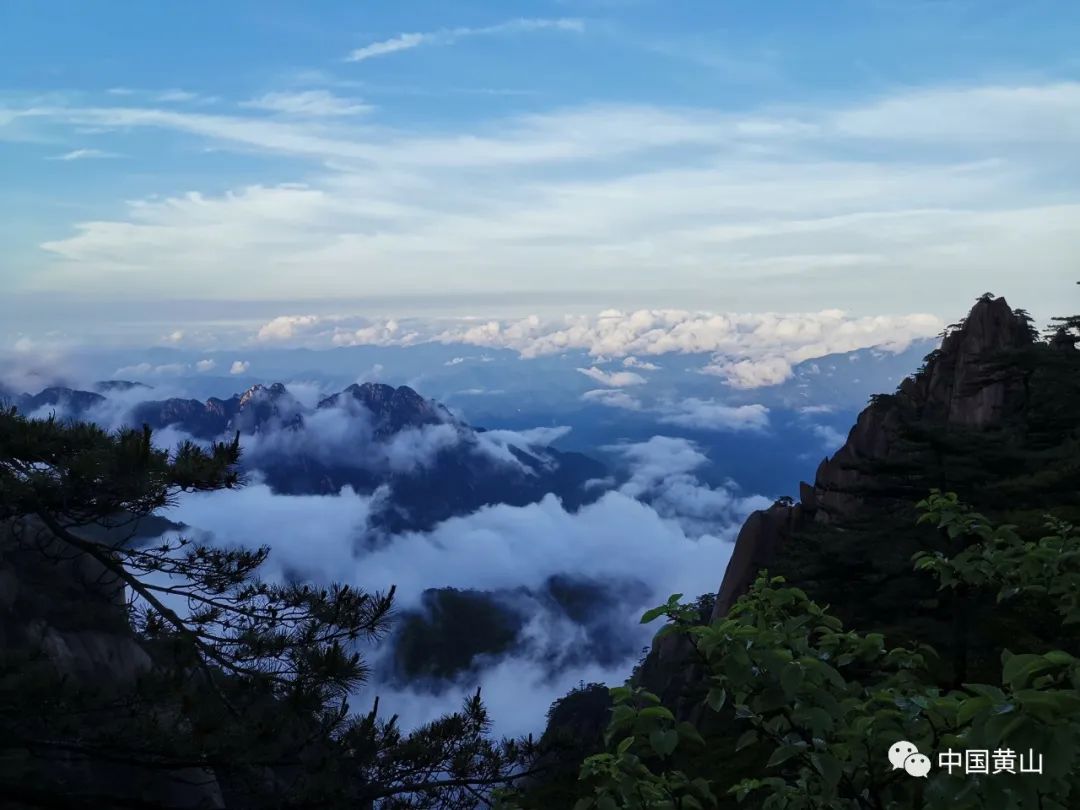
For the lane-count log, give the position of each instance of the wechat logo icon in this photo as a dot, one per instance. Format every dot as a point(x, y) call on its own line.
point(905, 755)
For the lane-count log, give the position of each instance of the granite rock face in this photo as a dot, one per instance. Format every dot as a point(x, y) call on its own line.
point(391, 409)
point(954, 388)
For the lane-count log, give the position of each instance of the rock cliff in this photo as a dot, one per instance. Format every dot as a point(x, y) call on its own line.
point(956, 387)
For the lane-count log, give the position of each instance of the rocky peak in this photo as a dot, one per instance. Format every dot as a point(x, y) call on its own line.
point(392, 408)
point(263, 392)
point(954, 388)
point(260, 405)
point(76, 402)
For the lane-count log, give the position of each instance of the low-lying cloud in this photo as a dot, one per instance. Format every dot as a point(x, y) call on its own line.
point(701, 414)
point(613, 379)
point(748, 350)
point(663, 530)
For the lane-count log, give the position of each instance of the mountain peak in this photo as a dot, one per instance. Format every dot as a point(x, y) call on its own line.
point(260, 391)
point(391, 408)
point(959, 387)
point(990, 326)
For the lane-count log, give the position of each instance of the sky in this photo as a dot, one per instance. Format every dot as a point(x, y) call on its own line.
point(198, 162)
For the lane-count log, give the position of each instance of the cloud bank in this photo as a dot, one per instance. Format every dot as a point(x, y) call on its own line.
point(662, 531)
point(934, 188)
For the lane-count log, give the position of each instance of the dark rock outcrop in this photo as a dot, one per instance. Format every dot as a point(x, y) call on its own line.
point(953, 389)
point(392, 409)
point(63, 616)
point(961, 389)
point(250, 412)
point(66, 402)
point(454, 471)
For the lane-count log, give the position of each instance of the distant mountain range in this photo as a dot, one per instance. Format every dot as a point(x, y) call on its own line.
point(365, 437)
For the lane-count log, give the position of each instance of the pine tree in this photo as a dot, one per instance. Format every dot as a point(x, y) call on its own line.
point(245, 684)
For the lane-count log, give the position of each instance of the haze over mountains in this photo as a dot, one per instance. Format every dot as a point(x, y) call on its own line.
point(530, 315)
point(527, 511)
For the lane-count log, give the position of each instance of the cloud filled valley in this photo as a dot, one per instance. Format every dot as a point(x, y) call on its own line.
point(518, 567)
point(530, 486)
point(622, 554)
point(369, 371)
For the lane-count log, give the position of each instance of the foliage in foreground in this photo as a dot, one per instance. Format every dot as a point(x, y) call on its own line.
point(820, 706)
point(235, 679)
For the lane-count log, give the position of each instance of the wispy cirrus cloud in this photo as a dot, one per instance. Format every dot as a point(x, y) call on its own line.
point(307, 103)
point(820, 204)
point(84, 154)
point(447, 36)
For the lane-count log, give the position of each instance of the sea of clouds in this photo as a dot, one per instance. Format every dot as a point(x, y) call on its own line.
point(659, 532)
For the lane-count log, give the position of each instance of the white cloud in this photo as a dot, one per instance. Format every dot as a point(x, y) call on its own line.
point(643, 365)
point(412, 448)
point(176, 95)
point(613, 399)
point(404, 42)
point(821, 205)
point(663, 474)
point(751, 373)
point(387, 333)
point(701, 414)
point(749, 350)
point(831, 439)
point(665, 532)
point(799, 336)
point(1031, 114)
point(613, 379)
point(497, 443)
point(148, 369)
point(239, 367)
point(84, 154)
point(308, 103)
point(205, 365)
point(286, 327)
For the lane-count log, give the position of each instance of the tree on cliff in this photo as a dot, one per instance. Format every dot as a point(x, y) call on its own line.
point(237, 682)
point(818, 707)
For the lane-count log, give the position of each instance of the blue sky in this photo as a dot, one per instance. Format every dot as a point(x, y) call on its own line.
point(270, 158)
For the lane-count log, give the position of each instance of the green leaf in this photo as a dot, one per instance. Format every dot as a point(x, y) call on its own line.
point(624, 746)
point(716, 699)
point(1050, 705)
point(657, 713)
point(971, 707)
point(746, 739)
point(829, 767)
point(687, 731)
point(664, 742)
point(655, 613)
point(782, 755)
point(1019, 669)
point(791, 679)
point(1060, 657)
